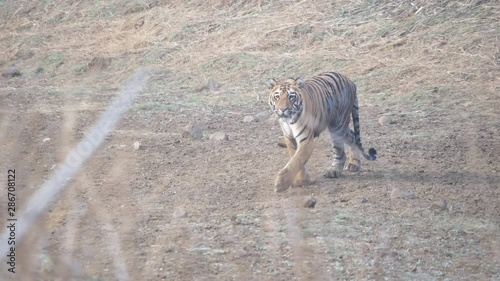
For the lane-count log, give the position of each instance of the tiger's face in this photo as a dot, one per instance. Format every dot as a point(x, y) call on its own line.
point(285, 99)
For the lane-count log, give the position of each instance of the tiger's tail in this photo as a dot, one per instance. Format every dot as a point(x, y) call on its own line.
point(372, 153)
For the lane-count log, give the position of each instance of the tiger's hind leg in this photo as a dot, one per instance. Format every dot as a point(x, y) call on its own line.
point(354, 163)
point(339, 156)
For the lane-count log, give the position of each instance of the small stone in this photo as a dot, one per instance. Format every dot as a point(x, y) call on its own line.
point(11, 72)
point(310, 201)
point(212, 84)
point(137, 145)
point(385, 120)
point(364, 200)
point(241, 254)
point(398, 193)
point(192, 131)
point(45, 140)
point(439, 206)
point(219, 136)
point(457, 208)
point(179, 212)
point(281, 144)
point(407, 195)
point(250, 119)
point(395, 193)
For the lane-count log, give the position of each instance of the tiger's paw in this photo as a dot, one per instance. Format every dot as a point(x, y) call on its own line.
point(301, 182)
point(302, 178)
point(332, 174)
point(352, 167)
point(283, 181)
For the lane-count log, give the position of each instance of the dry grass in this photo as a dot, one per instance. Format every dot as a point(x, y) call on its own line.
point(386, 46)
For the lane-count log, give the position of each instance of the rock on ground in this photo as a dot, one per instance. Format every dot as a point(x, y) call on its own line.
point(211, 85)
point(398, 193)
point(137, 145)
point(309, 202)
point(219, 136)
point(250, 119)
point(11, 72)
point(179, 212)
point(385, 120)
point(193, 132)
point(439, 206)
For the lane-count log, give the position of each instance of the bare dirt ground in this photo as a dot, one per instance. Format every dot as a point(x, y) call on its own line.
point(427, 209)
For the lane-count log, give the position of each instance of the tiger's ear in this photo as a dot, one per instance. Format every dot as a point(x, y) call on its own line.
point(271, 83)
point(300, 82)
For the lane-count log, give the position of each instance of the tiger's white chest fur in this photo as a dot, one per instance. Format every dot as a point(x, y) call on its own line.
point(290, 130)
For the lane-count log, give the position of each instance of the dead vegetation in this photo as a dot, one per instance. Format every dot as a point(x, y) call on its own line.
point(399, 45)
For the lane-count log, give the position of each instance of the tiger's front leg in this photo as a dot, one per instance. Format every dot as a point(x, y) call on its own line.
point(294, 172)
point(302, 178)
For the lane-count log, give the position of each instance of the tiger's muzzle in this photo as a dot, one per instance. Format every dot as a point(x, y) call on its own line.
point(285, 113)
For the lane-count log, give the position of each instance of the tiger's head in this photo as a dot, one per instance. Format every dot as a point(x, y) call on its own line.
point(285, 98)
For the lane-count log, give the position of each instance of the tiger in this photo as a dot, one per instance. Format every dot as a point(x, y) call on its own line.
point(305, 108)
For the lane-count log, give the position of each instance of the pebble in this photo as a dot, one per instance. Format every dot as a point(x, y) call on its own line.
point(137, 145)
point(310, 201)
point(385, 120)
point(281, 142)
point(250, 119)
point(179, 212)
point(212, 84)
point(398, 193)
point(219, 136)
point(192, 131)
point(11, 72)
point(439, 206)
point(457, 208)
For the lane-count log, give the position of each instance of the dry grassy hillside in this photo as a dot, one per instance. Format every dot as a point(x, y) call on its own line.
point(391, 48)
point(432, 67)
